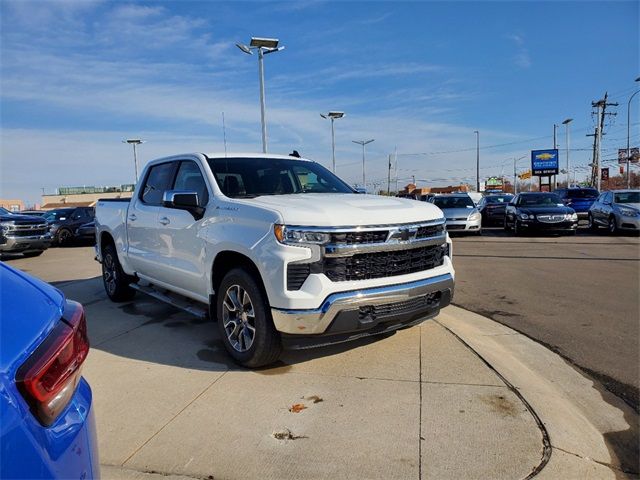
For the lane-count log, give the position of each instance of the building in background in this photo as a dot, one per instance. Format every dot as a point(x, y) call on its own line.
point(411, 191)
point(13, 205)
point(85, 196)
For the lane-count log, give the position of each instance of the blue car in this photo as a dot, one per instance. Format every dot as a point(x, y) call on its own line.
point(47, 427)
point(578, 198)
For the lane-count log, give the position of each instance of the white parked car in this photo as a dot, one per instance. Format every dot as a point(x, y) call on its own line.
point(461, 213)
point(278, 249)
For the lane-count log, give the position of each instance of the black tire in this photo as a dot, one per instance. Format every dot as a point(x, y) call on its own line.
point(116, 282)
point(64, 237)
point(265, 346)
point(517, 231)
point(612, 225)
point(33, 254)
point(479, 232)
point(593, 226)
point(506, 226)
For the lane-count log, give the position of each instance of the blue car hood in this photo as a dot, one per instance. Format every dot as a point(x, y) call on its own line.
point(29, 309)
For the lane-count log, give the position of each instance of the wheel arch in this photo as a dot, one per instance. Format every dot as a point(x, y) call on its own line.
point(227, 260)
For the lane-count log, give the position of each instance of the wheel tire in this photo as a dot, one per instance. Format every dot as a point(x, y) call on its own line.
point(591, 224)
point(516, 230)
point(64, 237)
point(479, 232)
point(613, 226)
point(33, 254)
point(506, 226)
point(116, 282)
point(265, 346)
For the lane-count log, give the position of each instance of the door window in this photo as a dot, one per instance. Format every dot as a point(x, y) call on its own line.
point(189, 178)
point(157, 182)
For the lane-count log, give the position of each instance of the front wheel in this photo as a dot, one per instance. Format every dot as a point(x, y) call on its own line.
point(516, 228)
point(244, 320)
point(613, 225)
point(116, 282)
point(64, 237)
point(591, 224)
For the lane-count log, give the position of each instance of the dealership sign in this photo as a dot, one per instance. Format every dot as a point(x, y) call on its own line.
point(544, 162)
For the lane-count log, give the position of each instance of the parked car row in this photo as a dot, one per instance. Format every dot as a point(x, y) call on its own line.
point(559, 211)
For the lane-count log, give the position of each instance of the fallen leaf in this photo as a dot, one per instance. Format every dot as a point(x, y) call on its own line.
point(297, 407)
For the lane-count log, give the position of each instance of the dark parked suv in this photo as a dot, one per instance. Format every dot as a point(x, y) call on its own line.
point(65, 221)
point(492, 208)
point(580, 199)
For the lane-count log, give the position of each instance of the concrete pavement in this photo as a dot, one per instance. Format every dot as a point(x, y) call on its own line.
point(458, 397)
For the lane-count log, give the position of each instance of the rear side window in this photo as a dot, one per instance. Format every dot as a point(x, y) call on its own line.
point(189, 178)
point(582, 193)
point(158, 180)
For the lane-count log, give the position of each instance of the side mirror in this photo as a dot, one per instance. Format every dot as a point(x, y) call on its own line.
point(183, 200)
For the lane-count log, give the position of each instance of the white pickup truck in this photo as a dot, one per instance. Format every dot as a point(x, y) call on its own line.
point(278, 249)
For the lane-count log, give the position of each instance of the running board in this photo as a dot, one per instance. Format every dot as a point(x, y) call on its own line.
point(190, 306)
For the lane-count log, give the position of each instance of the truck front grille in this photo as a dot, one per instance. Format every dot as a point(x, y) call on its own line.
point(365, 266)
point(355, 238)
point(26, 233)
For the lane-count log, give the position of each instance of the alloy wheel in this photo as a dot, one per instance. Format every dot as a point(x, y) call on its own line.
point(109, 274)
point(238, 317)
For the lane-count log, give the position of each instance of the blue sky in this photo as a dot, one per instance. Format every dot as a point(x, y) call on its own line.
point(79, 76)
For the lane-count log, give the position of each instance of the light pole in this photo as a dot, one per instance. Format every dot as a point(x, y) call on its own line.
point(332, 116)
point(515, 179)
point(566, 124)
point(477, 160)
point(264, 46)
point(629, 135)
point(364, 177)
point(135, 142)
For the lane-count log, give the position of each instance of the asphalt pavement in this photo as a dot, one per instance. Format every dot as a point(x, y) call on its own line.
point(577, 295)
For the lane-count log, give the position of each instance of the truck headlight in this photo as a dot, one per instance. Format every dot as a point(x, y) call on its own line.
point(299, 236)
point(628, 212)
point(5, 227)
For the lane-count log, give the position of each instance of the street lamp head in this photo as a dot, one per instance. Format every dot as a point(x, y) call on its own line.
point(271, 43)
point(637, 79)
point(244, 48)
point(271, 50)
point(568, 120)
point(336, 114)
point(135, 141)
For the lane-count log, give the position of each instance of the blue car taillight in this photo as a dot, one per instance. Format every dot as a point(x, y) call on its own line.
point(48, 378)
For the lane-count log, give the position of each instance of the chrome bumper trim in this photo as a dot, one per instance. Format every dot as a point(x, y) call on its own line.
point(316, 321)
point(348, 250)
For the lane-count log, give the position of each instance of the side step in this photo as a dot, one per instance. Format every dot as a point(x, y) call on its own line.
point(191, 306)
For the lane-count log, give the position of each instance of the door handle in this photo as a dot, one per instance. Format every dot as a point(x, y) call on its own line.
point(165, 221)
point(132, 217)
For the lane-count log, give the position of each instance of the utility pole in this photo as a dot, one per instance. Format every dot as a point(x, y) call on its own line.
point(364, 177)
point(602, 107)
point(629, 135)
point(477, 160)
point(566, 124)
point(389, 178)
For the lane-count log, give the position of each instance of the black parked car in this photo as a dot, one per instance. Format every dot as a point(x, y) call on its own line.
point(492, 208)
point(65, 221)
point(539, 211)
point(87, 232)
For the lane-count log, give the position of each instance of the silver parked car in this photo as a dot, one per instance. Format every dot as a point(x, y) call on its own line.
point(460, 211)
point(616, 210)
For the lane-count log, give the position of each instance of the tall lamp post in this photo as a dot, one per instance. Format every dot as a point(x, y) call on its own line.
point(332, 116)
point(363, 143)
point(477, 160)
point(135, 142)
point(566, 124)
point(629, 135)
point(515, 176)
point(264, 46)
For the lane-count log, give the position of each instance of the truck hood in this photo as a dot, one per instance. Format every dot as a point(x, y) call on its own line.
point(348, 209)
point(22, 219)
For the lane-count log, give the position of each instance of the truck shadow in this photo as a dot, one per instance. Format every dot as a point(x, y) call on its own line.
point(148, 330)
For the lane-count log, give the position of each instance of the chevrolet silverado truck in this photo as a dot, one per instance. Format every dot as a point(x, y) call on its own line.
point(26, 234)
point(277, 249)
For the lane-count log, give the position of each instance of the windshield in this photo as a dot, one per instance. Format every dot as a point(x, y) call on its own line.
point(627, 197)
point(499, 199)
point(54, 215)
point(252, 177)
point(540, 200)
point(582, 193)
point(454, 202)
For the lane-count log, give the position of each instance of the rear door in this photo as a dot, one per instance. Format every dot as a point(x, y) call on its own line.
point(142, 219)
point(181, 250)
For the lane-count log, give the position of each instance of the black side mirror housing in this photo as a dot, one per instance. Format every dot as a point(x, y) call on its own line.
point(183, 200)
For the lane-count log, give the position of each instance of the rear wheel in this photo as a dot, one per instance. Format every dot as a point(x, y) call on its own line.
point(116, 282)
point(244, 320)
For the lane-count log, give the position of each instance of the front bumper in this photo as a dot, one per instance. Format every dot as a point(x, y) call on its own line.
point(628, 223)
point(466, 226)
point(565, 226)
point(367, 311)
point(22, 244)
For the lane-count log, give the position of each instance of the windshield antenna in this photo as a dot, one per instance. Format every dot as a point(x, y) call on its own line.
point(224, 135)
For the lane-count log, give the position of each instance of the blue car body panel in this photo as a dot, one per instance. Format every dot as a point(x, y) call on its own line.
point(29, 310)
point(580, 199)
